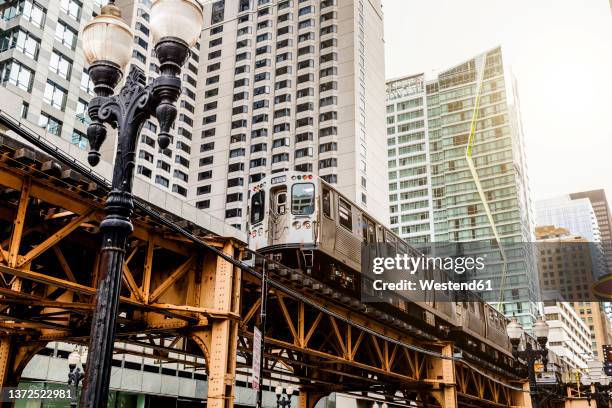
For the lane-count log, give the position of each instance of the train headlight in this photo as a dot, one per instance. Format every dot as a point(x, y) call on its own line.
point(254, 233)
point(307, 224)
point(297, 225)
point(260, 231)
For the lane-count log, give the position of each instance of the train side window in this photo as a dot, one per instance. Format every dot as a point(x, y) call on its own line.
point(345, 215)
point(302, 199)
point(281, 203)
point(371, 232)
point(258, 204)
point(327, 203)
point(364, 229)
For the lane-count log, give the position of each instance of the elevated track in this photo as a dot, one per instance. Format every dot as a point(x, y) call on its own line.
point(188, 296)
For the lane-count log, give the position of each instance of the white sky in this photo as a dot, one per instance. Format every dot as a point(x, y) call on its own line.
point(561, 54)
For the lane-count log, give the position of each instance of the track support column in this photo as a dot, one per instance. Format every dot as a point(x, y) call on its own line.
point(309, 398)
point(446, 394)
point(224, 332)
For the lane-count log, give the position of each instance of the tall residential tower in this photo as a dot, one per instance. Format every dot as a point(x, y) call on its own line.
point(289, 85)
point(474, 156)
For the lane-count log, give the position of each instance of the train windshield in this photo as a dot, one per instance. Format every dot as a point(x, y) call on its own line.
point(302, 199)
point(258, 207)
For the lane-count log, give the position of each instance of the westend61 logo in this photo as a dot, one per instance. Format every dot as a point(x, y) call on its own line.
point(388, 268)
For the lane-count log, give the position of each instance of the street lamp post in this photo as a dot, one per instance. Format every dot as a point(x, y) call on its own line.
point(283, 397)
point(530, 355)
point(75, 375)
point(107, 42)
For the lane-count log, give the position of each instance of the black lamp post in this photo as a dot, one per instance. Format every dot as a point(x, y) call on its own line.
point(75, 375)
point(283, 397)
point(530, 355)
point(107, 42)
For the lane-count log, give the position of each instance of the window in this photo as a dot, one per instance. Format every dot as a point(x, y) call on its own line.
point(179, 190)
point(81, 112)
point(205, 175)
point(235, 182)
point(281, 157)
point(215, 42)
point(327, 202)
point(218, 11)
point(284, 141)
point(20, 40)
point(302, 199)
point(14, 73)
point(50, 124)
point(234, 197)
point(55, 95)
point(202, 205)
point(345, 214)
point(203, 190)
point(258, 207)
point(326, 163)
point(162, 165)
point(233, 212)
point(144, 171)
point(303, 137)
point(216, 30)
point(66, 35)
point(304, 167)
point(305, 152)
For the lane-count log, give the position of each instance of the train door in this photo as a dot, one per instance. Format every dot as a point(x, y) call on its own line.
point(327, 236)
point(278, 215)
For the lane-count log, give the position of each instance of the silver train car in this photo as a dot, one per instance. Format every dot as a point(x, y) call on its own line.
point(306, 224)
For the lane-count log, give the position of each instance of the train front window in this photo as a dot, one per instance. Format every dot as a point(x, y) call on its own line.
point(258, 207)
point(302, 199)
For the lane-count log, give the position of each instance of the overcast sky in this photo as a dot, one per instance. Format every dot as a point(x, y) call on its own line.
point(559, 50)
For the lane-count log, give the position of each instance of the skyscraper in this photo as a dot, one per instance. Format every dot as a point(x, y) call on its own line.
point(289, 85)
point(604, 220)
point(474, 154)
point(42, 70)
point(579, 218)
point(409, 160)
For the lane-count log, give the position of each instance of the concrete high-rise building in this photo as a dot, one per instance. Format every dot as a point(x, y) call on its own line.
point(409, 161)
point(289, 85)
point(604, 220)
point(579, 218)
point(565, 269)
point(569, 337)
point(476, 172)
point(46, 85)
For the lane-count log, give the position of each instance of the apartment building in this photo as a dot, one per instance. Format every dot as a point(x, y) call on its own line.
point(43, 66)
point(569, 337)
point(475, 187)
point(289, 85)
point(566, 267)
point(578, 217)
point(409, 160)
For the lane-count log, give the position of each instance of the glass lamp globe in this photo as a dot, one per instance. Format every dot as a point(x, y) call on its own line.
point(182, 19)
point(384, 405)
point(279, 390)
point(375, 405)
point(585, 380)
point(514, 330)
point(108, 38)
point(289, 390)
point(540, 329)
point(74, 358)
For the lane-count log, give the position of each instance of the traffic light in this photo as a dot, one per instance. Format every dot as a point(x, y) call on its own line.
point(607, 351)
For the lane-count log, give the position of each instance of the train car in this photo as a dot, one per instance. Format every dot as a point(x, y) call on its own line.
point(306, 224)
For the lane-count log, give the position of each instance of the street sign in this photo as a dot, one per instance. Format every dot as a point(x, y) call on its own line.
point(255, 382)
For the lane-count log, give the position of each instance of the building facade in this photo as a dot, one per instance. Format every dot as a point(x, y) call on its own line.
point(578, 216)
point(289, 85)
point(476, 187)
point(42, 66)
point(604, 220)
point(409, 160)
point(569, 337)
point(565, 268)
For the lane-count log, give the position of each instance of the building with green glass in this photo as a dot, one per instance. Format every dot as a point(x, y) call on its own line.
point(473, 153)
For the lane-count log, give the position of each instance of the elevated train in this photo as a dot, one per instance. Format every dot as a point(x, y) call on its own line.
point(306, 224)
